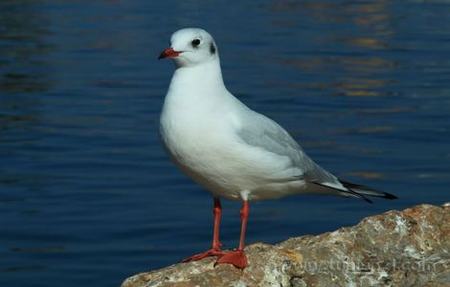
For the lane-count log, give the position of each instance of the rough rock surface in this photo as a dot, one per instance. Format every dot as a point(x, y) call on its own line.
point(397, 248)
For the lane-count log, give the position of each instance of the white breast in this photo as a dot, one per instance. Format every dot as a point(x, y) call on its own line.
point(199, 148)
point(199, 125)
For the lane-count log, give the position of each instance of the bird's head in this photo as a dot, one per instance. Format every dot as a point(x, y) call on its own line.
point(190, 47)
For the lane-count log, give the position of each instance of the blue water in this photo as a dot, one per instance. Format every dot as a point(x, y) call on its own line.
point(87, 193)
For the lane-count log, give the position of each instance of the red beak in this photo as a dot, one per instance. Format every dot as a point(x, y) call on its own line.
point(168, 53)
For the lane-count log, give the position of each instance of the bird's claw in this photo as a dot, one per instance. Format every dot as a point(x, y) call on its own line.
point(236, 257)
point(208, 253)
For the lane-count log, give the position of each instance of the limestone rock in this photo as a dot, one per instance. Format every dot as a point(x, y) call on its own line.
point(407, 248)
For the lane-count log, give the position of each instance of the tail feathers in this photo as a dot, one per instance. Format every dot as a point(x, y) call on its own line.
point(357, 190)
point(366, 191)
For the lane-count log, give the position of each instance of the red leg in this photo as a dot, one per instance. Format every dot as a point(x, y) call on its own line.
point(215, 249)
point(237, 257)
point(217, 211)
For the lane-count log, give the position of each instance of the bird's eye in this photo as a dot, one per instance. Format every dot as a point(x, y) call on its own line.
point(195, 43)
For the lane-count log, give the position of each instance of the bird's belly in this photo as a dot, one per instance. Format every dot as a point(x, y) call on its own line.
point(215, 180)
point(224, 175)
point(219, 175)
point(211, 157)
point(202, 155)
point(208, 161)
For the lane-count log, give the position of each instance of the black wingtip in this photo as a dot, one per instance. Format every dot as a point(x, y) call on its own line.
point(358, 188)
point(367, 200)
point(389, 196)
point(349, 191)
point(362, 196)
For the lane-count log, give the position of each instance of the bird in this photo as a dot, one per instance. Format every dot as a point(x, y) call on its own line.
point(229, 149)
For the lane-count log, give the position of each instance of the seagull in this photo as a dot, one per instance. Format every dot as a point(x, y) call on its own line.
point(231, 150)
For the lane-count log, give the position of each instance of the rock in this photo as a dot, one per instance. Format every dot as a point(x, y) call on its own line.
point(407, 248)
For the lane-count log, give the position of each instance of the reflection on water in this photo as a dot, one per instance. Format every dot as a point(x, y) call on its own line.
point(367, 174)
point(360, 87)
point(87, 194)
point(366, 28)
point(24, 75)
point(23, 47)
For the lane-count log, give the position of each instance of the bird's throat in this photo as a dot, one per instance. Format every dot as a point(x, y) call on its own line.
point(199, 78)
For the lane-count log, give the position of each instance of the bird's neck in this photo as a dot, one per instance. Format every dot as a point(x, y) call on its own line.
point(202, 80)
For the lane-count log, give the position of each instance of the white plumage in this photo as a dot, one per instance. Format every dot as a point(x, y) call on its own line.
point(221, 143)
point(234, 152)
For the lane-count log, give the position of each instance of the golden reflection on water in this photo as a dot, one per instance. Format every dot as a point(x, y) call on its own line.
point(366, 174)
point(367, 42)
point(360, 87)
point(369, 30)
point(366, 64)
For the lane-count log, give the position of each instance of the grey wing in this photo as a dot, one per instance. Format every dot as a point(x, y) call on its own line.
point(260, 131)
